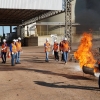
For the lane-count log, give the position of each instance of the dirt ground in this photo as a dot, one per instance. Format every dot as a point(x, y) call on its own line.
point(34, 79)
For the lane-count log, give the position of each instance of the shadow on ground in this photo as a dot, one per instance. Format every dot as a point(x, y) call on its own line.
point(13, 68)
point(55, 85)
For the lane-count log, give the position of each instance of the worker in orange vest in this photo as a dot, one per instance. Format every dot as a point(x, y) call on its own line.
point(19, 49)
point(47, 49)
point(61, 50)
point(4, 51)
point(66, 48)
point(56, 50)
point(13, 51)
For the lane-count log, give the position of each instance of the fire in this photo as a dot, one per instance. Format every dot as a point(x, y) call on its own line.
point(84, 54)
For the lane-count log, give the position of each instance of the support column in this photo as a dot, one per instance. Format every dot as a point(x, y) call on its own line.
point(10, 29)
point(68, 23)
point(22, 31)
point(18, 31)
point(27, 31)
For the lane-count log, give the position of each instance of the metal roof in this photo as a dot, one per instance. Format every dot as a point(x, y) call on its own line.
point(17, 16)
point(14, 12)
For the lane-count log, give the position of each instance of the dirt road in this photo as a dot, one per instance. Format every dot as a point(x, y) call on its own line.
point(34, 79)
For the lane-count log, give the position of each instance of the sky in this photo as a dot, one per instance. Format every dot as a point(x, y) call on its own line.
point(6, 29)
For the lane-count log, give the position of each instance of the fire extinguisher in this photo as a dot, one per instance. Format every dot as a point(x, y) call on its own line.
point(99, 81)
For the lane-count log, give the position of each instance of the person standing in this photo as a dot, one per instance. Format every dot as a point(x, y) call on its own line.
point(61, 50)
point(56, 50)
point(19, 49)
point(13, 51)
point(4, 51)
point(47, 49)
point(66, 48)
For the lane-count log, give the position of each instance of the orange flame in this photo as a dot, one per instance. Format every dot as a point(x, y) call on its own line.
point(84, 54)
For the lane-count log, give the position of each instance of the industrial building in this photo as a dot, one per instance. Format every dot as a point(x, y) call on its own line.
point(35, 20)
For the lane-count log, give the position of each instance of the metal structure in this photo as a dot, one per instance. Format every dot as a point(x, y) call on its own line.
point(68, 23)
point(42, 16)
point(18, 16)
point(21, 16)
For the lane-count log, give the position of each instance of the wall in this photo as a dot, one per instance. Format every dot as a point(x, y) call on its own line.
point(84, 12)
point(40, 40)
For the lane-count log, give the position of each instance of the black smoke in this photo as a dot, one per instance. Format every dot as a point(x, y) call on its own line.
point(87, 14)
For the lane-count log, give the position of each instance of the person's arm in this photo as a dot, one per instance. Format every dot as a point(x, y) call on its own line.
point(58, 47)
point(10, 48)
point(2, 48)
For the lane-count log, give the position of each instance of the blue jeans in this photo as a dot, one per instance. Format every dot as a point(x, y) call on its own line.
point(13, 59)
point(18, 57)
point(47, 55)
point(65, 53)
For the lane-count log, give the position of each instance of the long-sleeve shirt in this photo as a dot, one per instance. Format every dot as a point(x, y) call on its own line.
point(10, 48)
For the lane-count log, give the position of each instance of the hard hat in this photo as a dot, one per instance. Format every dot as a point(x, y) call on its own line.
point(55, 40)
point(47, 39)
point(19, 38)
point(14, 40)
point(65, 38)
point(4, 40)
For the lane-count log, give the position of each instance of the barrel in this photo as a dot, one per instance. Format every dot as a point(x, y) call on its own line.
point(88, 70)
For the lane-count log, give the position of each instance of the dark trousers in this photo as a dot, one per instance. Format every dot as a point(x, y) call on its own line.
point(99, 66)
point(99, 81)
point(62, 57)
point(56, 55)
point(3, 57)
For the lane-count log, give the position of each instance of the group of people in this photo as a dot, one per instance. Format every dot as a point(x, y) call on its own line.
point(14, 50)
point(62, 47)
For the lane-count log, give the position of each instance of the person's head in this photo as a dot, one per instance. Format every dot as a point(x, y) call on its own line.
point(65, 39)
point(4, 40)
point(14, 41)
point(19, 39)
point(47, 40)
point(55, 41)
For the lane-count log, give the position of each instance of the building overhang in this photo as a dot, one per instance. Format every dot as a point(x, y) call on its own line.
point(15, 12)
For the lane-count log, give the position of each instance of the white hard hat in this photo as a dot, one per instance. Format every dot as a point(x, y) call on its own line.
point(19, 38)
point(47, 39)
point(14, 40)
point(55, 40)
point(4, 40)
point(65, 38)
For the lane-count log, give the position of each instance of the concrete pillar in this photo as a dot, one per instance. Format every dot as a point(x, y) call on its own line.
point(22, 32)
point(27, 31)
point(18, 30)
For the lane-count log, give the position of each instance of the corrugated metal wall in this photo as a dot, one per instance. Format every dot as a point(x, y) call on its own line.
point(32, 4)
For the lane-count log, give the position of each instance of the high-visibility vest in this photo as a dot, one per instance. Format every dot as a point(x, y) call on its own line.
point(4, 47)
point(60, 46)
point(18, 46)
point(14, 49)
point(47, 46)
point(65, 46)
point(55, 47)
